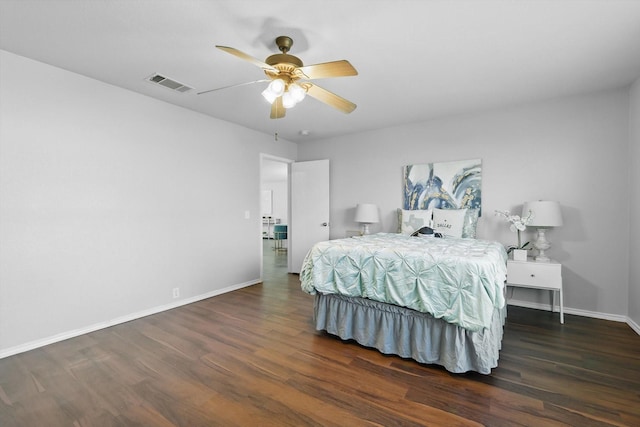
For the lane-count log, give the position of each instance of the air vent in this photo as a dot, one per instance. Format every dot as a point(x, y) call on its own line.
point(168, 83)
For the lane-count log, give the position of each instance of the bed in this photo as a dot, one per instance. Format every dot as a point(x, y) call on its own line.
point(436, 300)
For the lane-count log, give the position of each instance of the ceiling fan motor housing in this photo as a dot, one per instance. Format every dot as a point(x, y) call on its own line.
point(283, 58)
point(285, 64)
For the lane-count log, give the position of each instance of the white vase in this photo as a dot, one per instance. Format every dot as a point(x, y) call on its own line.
point(519, 255)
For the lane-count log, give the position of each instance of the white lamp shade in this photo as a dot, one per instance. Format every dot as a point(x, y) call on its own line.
point(297, 92)
point(545, 213)
point(367, 213)
point(277, 87)
point(269, 96)
point(288, 101)
point(274, 90)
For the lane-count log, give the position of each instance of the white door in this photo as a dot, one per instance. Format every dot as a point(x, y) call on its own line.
point(309, 221)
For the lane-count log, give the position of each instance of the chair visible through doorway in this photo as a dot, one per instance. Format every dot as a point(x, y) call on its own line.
point(280, 237)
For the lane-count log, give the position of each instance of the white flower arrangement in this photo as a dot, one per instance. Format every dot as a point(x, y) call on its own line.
point(518, 224)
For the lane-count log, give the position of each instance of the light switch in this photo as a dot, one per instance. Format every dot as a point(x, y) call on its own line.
point(247, 214)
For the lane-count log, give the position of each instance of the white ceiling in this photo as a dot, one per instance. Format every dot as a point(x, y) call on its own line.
point(416, 59)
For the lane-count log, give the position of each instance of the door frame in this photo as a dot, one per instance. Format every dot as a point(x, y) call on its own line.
point(263, 157)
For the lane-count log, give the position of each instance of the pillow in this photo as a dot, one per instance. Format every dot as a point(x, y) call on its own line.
point(449, 222)
point(470, 223)
point(410, 221)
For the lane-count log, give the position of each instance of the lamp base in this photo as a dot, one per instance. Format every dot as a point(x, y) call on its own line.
point(542, 244)
point(365, 229)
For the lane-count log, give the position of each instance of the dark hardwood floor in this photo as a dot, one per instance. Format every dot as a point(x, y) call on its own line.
point(252, 358)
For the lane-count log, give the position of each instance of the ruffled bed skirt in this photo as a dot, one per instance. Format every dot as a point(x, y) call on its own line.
point(408, 333)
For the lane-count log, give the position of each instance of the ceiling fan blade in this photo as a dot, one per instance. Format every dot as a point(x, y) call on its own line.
point(277, 109)
point(246, 57)
point(236, 85)
point(341, 68)
point(330, 98)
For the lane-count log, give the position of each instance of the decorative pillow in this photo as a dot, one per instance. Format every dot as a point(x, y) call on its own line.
point(410, 221)
point(470, 223)
point(449, 222)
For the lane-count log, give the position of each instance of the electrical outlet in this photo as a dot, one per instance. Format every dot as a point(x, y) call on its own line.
point(176, 292)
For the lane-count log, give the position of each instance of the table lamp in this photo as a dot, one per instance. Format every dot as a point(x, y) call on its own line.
point(367, 213)
point(546, 214)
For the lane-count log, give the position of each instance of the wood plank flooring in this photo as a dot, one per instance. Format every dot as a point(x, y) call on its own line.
point(252, 358)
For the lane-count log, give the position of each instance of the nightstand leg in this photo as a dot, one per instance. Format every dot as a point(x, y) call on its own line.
point(561, 307)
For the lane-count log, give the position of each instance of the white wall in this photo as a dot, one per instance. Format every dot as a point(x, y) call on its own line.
point(634, 196)
point(572, 150)
point(110, 199)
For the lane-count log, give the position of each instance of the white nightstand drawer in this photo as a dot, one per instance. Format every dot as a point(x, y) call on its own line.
point(535, 275)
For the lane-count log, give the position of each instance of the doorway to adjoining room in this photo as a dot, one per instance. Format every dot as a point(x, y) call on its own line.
point(274, 207)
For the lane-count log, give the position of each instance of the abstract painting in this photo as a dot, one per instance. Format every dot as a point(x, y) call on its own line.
point(444, 185)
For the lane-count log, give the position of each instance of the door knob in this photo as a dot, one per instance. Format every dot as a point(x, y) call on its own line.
point(325, 224)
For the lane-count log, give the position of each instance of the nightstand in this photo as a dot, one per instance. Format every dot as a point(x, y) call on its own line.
point(537, 275)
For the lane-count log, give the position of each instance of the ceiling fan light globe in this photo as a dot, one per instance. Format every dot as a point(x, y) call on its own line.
point(288, 101)
point(276, 87)
point(269, 96)
point(297, 92)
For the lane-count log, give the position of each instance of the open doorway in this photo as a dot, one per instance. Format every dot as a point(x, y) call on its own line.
point(274, 206)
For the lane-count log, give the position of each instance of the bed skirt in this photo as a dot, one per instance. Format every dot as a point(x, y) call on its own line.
point(408, 333)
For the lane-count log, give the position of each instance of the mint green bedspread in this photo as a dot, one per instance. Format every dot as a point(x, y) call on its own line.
point(458, 280)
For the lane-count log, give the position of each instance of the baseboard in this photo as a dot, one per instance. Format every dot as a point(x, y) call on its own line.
point(129, 317)
point(578, 312)
point(634, 326)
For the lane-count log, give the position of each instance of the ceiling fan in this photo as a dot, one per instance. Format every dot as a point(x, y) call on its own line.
point(290, 79)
